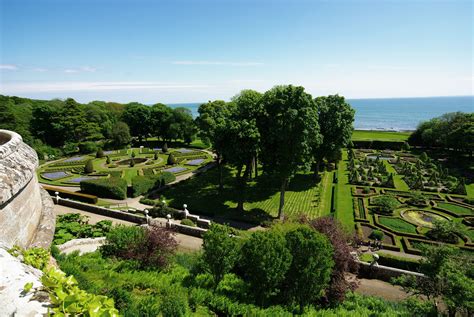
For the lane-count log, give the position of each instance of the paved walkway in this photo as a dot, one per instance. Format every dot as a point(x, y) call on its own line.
point(382, 289)
point(185, 243)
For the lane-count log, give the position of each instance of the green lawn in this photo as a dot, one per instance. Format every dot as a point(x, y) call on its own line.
point(326, 192)
point(397, 179)
point(362, 135)
point(470, 190)
point(398, 224)
point(344, 208)
point(201, 195)
point(458, 210)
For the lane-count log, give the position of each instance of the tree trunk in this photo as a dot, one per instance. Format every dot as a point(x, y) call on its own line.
point(219, 166)
point(256, 165)
point(241, 186)
point(282, 198)
point(316, 168)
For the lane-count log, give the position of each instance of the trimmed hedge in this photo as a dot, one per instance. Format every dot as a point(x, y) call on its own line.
point(403, 263)
point(379, 145)
point(90, 199)
point(113, 187)
point(143, 184)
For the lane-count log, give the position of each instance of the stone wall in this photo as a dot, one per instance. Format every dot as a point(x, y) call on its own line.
point(26, 216)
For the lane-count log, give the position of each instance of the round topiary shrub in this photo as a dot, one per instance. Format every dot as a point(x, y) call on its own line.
point(376, 235)
point(89, 167)
point(385, 204)
point(100, 153)
point(171, 159)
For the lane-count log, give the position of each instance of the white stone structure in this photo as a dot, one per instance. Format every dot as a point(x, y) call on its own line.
point(26, 215)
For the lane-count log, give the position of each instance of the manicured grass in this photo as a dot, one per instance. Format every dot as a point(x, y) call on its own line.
point(470, 190)
point(326, 192)
point(262, 196)
point(398, 224)
point(397, 179)
point(361, 135)
point(458, 210)
point(344, 207)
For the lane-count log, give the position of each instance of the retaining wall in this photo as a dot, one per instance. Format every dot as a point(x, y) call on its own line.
point(24, 209)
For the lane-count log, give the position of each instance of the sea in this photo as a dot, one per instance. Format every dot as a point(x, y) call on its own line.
point(392, 114)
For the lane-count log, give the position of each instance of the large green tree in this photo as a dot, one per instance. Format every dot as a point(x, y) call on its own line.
point(311, 266)
point(212, 119)
point(137, 116)
point(265, 260)
point(289, 130)
point(220, 251)
point(335, 117)
point(242, 139)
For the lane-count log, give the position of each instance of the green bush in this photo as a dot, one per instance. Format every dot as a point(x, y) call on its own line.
point(100, 153)
point(107, 161)
point(113, 187)
point(120, 238)
point(164, 149)
point(72, 226)
point(188, 222)
point(376, 235)
point(87, 147)
point(144, 184)
point(174, 303)
point(385, 204)
point(171, 159)
point(89, 167)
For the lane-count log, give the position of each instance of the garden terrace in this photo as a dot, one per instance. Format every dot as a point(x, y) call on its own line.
point(124, 163)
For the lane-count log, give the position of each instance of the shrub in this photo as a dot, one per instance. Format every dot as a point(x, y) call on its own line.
point(146, 183)
point(164, 149)
point(89, 167)
point(376, 235)
point(155, 156)
point(445, 231)
point(386, 204)
point(188, 222)
point(171, 159)
point(417, 199)
point(149, 247)
point(174, 303)
point(366, 190)
point(107, 161)
point(87, 147)
point(100, 153)
point(113, 187)
point(344, 262)
point(132, 162)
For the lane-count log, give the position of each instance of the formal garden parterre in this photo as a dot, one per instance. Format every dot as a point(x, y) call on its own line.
point(120, 169)
point(424, 206)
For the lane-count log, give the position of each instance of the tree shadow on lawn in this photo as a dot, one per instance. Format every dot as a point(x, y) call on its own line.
point(202, 196)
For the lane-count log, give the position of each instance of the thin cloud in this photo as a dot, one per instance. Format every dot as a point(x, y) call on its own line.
point(40, 69)
point(217, 63)
point(83, 69)
point(94, 86)
point(8, 67)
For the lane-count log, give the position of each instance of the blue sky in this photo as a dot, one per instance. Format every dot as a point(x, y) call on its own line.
point(193, 51)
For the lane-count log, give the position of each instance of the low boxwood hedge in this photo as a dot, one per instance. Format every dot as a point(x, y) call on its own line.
point(403, 263)
point(90, 199)
point(113, 187)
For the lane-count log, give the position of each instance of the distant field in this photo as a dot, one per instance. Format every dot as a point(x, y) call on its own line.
point(362, 135)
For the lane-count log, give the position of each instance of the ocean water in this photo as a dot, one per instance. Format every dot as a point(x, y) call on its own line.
point(394, 114)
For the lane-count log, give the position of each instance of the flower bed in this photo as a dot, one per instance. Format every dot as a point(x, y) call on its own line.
point(195, 162)
point(55, 175)
point(175, 170)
